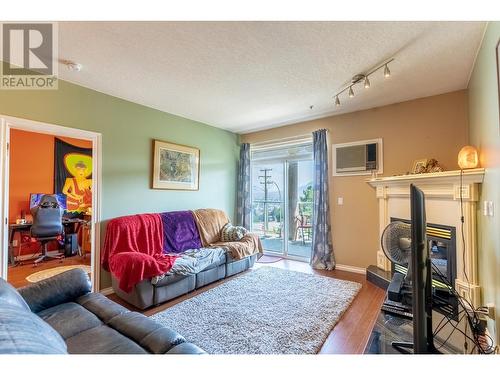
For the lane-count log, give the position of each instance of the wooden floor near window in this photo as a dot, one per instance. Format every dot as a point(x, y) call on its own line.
point(17, 275)
point(351, 333)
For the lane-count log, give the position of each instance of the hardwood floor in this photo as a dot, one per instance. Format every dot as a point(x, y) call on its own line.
point(352, 331)
point(17, 275)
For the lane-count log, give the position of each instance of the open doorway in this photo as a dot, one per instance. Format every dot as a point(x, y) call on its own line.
point(51, 201)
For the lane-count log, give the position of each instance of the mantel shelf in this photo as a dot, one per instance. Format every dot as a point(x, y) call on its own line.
point(470, 176)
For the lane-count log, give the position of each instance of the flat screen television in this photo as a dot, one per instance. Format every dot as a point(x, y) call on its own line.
point(423, 338)
point(36, 197)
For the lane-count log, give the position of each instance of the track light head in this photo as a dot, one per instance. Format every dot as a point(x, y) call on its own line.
point(351, 92)
point(337, 101)
point(387, 72)
point(367, 83)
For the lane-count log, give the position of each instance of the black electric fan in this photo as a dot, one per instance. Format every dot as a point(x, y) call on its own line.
point(406, 245)
point(396, 244)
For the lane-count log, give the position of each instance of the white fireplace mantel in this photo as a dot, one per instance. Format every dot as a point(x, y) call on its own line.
point(443, 206)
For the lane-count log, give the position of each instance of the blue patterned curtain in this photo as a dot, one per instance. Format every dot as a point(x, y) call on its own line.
point(243, 204)
point(322, 249)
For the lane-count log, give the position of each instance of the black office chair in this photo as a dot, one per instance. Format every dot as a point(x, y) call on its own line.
point(47, 225)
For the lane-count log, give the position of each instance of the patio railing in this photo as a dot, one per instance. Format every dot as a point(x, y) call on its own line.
point(267, 216)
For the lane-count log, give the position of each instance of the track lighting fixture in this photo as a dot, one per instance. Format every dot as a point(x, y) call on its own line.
point(366, 81)
point(387, 72)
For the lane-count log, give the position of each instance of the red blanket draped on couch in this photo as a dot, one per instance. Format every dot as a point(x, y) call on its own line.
point(132, 249)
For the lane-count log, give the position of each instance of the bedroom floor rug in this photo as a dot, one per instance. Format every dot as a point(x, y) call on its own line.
point(45, 274)
point(264, 311)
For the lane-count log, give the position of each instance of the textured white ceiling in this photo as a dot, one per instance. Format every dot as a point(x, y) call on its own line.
point(246, 76)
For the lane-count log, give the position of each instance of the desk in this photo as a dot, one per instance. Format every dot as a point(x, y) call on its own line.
point(13, 228)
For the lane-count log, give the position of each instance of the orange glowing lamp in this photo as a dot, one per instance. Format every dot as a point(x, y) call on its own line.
point(468, 157)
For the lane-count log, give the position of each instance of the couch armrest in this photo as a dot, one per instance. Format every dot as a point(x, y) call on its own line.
point(150, 335)
point(62, 288)
point(186, 348)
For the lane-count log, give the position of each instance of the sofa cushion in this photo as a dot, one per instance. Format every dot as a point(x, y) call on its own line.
point(182, 286)
point(22, 332)
point(180, 232)
point(102, 340)
point(149, 334)
point(69, 319)
point(230, 233)
point(101, 306)
point(206, 258)
point(10, 296)
point(167, 279)
point(231, 259)
point(210, 222)
point(192, 262)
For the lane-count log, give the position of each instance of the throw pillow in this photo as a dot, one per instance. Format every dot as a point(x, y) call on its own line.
point(231, 233)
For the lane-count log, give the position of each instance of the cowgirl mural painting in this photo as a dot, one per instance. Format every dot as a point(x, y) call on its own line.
point(73, 176)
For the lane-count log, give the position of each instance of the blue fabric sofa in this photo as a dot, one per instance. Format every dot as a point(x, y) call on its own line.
point(60, 315)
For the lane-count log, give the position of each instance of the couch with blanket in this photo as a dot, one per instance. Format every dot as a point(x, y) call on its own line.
point(153, 258)
point(60, 315)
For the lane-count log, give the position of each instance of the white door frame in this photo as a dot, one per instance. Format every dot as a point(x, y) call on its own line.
point(6, 124)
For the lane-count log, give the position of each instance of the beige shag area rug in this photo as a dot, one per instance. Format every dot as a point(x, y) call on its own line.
point(265, 311)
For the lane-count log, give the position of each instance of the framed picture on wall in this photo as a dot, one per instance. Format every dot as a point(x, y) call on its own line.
point(175, 167)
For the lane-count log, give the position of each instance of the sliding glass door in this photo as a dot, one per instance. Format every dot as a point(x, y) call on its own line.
point(282, 200)
point(268, 205)
point(300, 203)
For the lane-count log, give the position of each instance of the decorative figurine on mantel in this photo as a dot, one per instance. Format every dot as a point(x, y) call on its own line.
point(433, 166)
point(425, 166)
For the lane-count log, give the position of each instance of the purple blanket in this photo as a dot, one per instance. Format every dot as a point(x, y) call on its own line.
point(179, 232)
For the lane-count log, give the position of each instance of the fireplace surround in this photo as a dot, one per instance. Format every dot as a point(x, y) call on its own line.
point(442, 248)
point(448, 195)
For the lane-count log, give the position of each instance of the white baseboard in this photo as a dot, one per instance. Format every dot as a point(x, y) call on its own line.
point(107, 291)
point(343, 267)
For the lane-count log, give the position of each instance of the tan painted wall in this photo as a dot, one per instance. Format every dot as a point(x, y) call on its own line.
point(429, 127)
point(485, 134)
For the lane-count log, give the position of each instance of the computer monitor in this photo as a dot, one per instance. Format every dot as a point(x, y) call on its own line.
point(36, 197)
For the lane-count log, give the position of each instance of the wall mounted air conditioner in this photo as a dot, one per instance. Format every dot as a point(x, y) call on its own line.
point(358, 158)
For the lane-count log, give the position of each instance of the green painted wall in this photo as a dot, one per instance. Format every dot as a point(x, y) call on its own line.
point(484, 133)
point(127, 131)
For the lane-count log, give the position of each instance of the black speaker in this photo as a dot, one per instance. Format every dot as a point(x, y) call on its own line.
point(70, 244)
